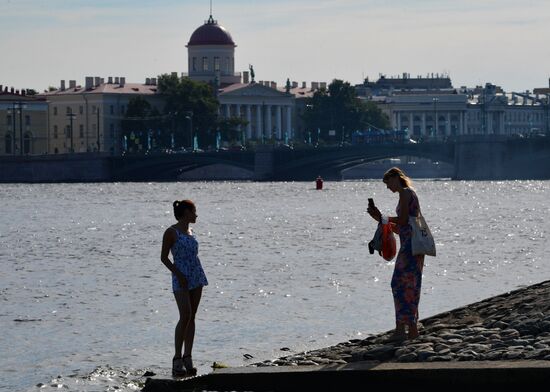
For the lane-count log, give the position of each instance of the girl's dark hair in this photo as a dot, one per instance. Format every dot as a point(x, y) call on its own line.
point(180, 206)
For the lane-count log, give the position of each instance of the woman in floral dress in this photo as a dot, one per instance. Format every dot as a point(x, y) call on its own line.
point(407, 276)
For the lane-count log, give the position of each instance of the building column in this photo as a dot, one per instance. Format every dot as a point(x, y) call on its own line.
point(423, 131)
point(268, 129)
point(502, 122)
point(448, 125)
point(289, 121)
point(465, 114)
point(411, 123)
point(278, 122)
point(227, 111)
point(460, 123)
point(398, 120)
point(249, 125)
point(489, 123)
point(259, 129)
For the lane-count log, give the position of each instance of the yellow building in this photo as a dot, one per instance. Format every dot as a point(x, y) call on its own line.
point(23, 123)
point(88, 118)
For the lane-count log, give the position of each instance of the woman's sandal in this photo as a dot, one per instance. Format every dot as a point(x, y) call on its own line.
point(188, 363)
point(177, 368)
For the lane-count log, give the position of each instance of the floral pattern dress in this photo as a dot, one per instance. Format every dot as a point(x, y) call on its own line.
point(185, 252)
point(407, 275)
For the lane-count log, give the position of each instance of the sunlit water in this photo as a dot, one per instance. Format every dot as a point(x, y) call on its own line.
point(86, 303)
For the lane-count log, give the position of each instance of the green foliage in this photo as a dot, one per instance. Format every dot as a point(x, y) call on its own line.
point(193, 107)
point(229, 128)
point(140, 119)
point(339, 109)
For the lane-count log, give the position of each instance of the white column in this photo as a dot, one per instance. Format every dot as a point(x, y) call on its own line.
point(259, 129)
point(289, 121)
point(423, 131)
point(268, 131)
point(227, 111)
point(398, 120)
point(278, 122)
point(238, 115)
point(249, 125)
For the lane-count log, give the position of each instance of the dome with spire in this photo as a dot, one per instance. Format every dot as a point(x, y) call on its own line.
point(211, 33)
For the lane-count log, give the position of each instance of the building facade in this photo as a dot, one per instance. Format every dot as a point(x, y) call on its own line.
point(23, 123)
point(88, 118)
point(268, 111)
point(432, 108)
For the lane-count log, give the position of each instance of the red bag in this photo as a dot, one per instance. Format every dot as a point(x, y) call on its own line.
point(389, 246)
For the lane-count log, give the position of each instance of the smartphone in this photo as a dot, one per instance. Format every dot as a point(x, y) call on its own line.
point(371, 202)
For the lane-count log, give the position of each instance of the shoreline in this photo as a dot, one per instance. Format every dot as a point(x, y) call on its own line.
point(509, 331)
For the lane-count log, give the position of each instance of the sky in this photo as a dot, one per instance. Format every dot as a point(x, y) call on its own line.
point(503, 42)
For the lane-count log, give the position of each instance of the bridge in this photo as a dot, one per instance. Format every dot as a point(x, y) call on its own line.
point(473, 157)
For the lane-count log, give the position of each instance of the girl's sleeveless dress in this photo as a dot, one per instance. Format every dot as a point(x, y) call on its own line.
point(185, 252)
point(407, 275)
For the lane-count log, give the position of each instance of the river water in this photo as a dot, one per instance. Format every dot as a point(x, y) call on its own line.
point(86, 304)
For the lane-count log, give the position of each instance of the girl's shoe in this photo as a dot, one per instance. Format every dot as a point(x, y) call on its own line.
point(188, 363)
point(177, 368)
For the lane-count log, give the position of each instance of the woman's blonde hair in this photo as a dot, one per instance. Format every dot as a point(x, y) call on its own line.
point(405, 181)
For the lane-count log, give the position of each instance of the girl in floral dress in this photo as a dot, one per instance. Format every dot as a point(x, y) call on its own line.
point(188, 279)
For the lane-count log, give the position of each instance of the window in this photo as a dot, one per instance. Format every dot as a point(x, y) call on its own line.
point(81, 130)
point(194, 65)
point(69, 111)
point(8, 119)
point(112, 131)
point(27, 120)
point(216, 63)
point(94, 109)
point(55, 110)
point(112, 109)
point(55, 131)
point(81, 110)
point(205, 63)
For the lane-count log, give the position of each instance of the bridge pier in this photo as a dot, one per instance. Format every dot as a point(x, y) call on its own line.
point(264, 162)
point(481, 158)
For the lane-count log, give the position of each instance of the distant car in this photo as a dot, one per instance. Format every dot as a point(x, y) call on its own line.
point(237, 148)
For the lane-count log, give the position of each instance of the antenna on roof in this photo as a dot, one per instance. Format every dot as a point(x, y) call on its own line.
point(210, 8)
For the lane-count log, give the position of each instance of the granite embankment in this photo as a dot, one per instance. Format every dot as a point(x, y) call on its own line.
point(503, 340)
point(511, 326)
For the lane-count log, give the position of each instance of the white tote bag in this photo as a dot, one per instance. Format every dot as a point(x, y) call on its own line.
point(422, 240)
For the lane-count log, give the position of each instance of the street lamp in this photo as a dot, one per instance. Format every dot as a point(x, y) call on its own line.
point(189, 116)
point(71, 117)
point(17, 107)
point(435, 100)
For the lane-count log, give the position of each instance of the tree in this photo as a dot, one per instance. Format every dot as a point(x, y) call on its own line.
point(141, 123)
point(192, 106)
point(338, 108)
point(229, 128)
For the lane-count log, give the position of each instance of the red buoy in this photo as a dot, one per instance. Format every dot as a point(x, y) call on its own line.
point(319, 183)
